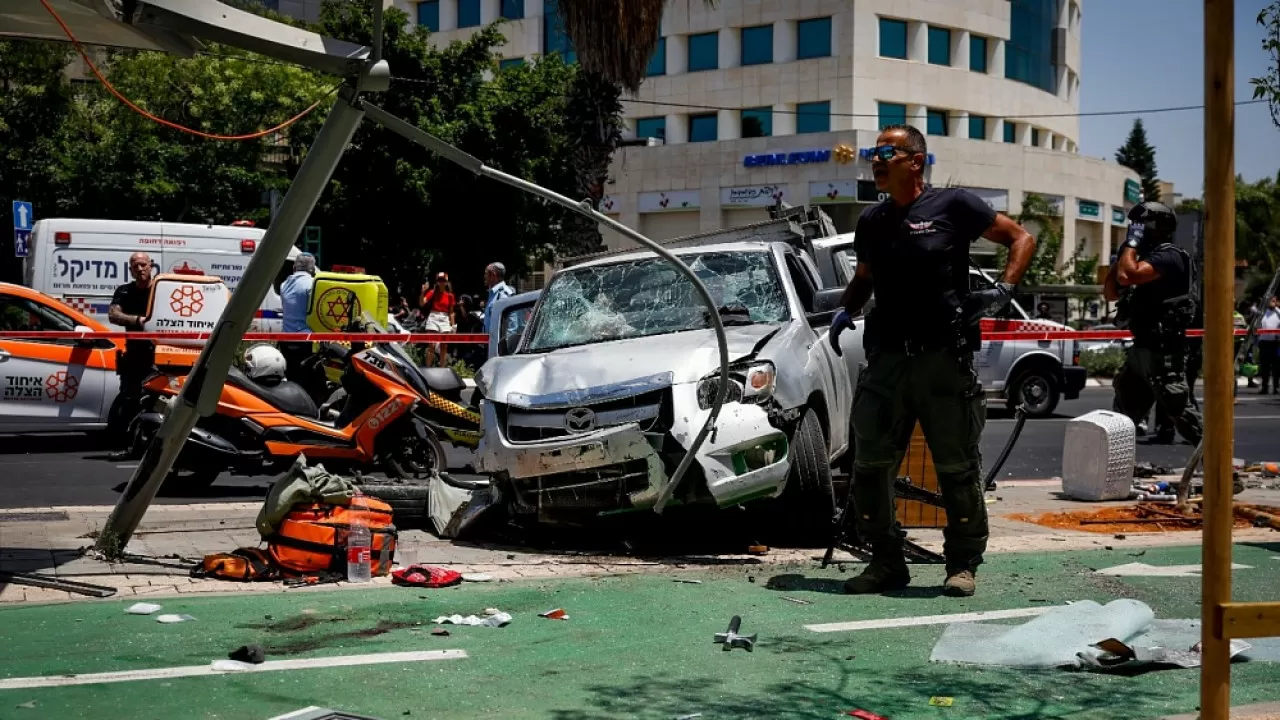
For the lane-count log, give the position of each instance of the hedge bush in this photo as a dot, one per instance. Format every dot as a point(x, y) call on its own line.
point(1103, 363)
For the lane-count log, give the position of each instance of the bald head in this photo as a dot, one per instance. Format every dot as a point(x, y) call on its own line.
point(140, 268)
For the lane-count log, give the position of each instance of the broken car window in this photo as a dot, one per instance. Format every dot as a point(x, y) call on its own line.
point(648, 296)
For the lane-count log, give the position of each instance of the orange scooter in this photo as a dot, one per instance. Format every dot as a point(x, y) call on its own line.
point(376, 421)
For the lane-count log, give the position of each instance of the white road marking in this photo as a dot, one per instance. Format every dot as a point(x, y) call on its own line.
point(201, 670)
point(1145, 570)
point(930, 619)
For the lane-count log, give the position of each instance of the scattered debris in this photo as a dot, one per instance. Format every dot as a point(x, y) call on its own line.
point(231, 665)
point(171, 619)
point(758, 549)
point(866, 715)
point(477, 577)
point(440, 632)
point(29, 705)
point(142, 608)
point(556, 614)
point(751, 578)
point(798, 601)
point(253, 654)
point(687, 581)
point(731, 639)
point(500, 619)
point(688, 717)
point(425, 576)
point(55, 583)
point(937, 701)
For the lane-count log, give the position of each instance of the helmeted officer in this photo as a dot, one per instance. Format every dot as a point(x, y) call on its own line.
point(913, 252)
point(1153, 280)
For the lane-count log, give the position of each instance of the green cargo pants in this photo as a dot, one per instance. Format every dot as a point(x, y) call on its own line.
point(940, 389)
point(1152, 376)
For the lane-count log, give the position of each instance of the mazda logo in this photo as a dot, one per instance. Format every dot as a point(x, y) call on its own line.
point(580, 420)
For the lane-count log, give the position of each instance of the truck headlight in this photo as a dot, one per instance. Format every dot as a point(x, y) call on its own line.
point(752, 383)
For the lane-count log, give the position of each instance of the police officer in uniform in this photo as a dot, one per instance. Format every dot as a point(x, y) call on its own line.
point(913, 253)
point(1152, 279)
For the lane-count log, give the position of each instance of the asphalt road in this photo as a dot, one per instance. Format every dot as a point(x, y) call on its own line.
point(40, 471)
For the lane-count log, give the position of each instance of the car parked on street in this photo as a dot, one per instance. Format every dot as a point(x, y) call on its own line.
point(588, 408)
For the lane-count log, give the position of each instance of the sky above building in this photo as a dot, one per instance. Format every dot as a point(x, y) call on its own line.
point(1140, 54)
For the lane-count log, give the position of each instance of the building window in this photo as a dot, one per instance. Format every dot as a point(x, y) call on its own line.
point(702, 128)
point(1028, 54)
point(893, 38)
point(651, 127)
point(757, 122)
point(1035, 137)
point(939, 46)
point(512, 9)
point(658, 61)
point(704, 51)
point(978, 53)
point(554, 39)
point(1010, 132)
point(510, 63)
point(936, 122)
point(813, 38)
point(977, 127)
point(813, 117)
point(429, 15)
point(468, 13)
point(892, 114)
point(757, 45)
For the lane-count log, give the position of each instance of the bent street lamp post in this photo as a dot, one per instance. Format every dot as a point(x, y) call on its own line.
point(173, 24)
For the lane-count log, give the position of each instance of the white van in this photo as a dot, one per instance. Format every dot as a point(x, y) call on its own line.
point(82, 262)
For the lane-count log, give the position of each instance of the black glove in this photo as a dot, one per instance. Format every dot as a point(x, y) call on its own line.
point(841, 322)
point(986, 303)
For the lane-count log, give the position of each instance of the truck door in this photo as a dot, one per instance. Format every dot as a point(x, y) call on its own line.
point(48, 384)
point(835, 379)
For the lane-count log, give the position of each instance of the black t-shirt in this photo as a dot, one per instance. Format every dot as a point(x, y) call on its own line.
point(138, 354)
point(1147, 305)
point(919, 259)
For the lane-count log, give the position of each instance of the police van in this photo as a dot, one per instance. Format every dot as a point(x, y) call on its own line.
point(82, 262)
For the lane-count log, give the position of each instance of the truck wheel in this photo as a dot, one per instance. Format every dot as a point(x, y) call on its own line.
point(1038, 389)
point(808, 502)
point(408, 500)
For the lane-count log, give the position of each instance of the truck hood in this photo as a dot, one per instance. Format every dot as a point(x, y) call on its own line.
point(610, 367)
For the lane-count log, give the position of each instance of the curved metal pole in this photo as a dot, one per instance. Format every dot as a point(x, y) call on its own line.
point(583, 208)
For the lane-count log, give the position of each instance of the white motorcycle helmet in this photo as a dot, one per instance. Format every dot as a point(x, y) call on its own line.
point(264, 362)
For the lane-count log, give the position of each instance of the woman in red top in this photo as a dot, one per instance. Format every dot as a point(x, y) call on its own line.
point(437, 304)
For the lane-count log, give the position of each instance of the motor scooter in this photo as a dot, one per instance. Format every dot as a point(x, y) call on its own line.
point(382, 418)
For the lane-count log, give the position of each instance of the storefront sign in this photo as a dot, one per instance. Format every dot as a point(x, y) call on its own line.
point(1089, 209)
point(1132, 191)
point(997, 199)
point(832, 191)
point(1117, 216)
point(800, 157)
point(610, 205)
point(752, 196)
point(669, 201)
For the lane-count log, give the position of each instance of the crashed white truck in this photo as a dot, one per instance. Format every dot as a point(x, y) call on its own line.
point(589, 406)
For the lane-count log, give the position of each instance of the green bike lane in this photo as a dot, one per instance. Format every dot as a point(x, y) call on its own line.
point(635, 646)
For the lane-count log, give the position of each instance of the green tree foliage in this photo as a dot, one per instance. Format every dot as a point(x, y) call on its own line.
point(1138, 155)
point(1258, 223)
point(1042, 219)
point(1267, 86)
point(34, 99)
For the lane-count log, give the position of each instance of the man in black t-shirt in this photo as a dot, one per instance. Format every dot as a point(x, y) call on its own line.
point(129, 308)
point(913, 253)
point(1155, 278)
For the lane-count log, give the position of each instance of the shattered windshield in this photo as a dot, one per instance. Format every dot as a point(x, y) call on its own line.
point(648, 296)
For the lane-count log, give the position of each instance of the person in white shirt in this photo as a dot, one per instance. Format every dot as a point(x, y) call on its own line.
point(1269, 349)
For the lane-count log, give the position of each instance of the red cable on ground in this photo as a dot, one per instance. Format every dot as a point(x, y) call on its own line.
point(159, 120)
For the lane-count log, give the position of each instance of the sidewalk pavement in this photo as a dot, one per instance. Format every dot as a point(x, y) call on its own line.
point(172, 538)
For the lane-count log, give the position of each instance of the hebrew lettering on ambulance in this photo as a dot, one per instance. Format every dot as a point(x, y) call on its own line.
point(101, 269)
point(23, 387)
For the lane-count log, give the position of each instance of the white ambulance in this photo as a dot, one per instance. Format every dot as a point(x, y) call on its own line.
point(82, 262)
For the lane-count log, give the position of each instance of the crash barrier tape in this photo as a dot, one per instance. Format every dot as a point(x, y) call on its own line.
point(441, 338)
point(999, 335)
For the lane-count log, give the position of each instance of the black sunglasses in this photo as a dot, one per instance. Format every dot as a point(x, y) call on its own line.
point(885, 153)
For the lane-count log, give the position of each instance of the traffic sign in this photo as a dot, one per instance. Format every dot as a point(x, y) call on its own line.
point(23, 215)
point(21, 243)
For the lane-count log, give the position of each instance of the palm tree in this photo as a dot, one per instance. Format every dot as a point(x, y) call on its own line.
point(614, 38)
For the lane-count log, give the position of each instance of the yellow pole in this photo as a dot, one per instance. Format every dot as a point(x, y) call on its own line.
point(1219, 390)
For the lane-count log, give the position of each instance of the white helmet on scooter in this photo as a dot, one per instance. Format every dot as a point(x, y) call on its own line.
point(264, 362)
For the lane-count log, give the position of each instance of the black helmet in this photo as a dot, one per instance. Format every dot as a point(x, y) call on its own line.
point(1158, 220)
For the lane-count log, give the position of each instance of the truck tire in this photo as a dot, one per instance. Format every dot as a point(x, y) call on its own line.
point(408, 500)
point(1038, 389)
point(808, 501)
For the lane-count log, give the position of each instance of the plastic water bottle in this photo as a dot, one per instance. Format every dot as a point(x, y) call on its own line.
point(359, 553)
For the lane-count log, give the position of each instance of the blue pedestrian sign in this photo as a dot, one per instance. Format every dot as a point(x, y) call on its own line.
point(23, 216)
point(21, 243)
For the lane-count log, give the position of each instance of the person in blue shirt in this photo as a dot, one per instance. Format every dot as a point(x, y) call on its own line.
point(494, 279)
point(295, 300)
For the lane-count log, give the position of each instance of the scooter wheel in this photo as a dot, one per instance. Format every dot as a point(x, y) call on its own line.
point(412, 457)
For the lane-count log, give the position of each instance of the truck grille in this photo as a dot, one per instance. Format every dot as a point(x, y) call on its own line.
point(596, 489)
point(649, 410)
